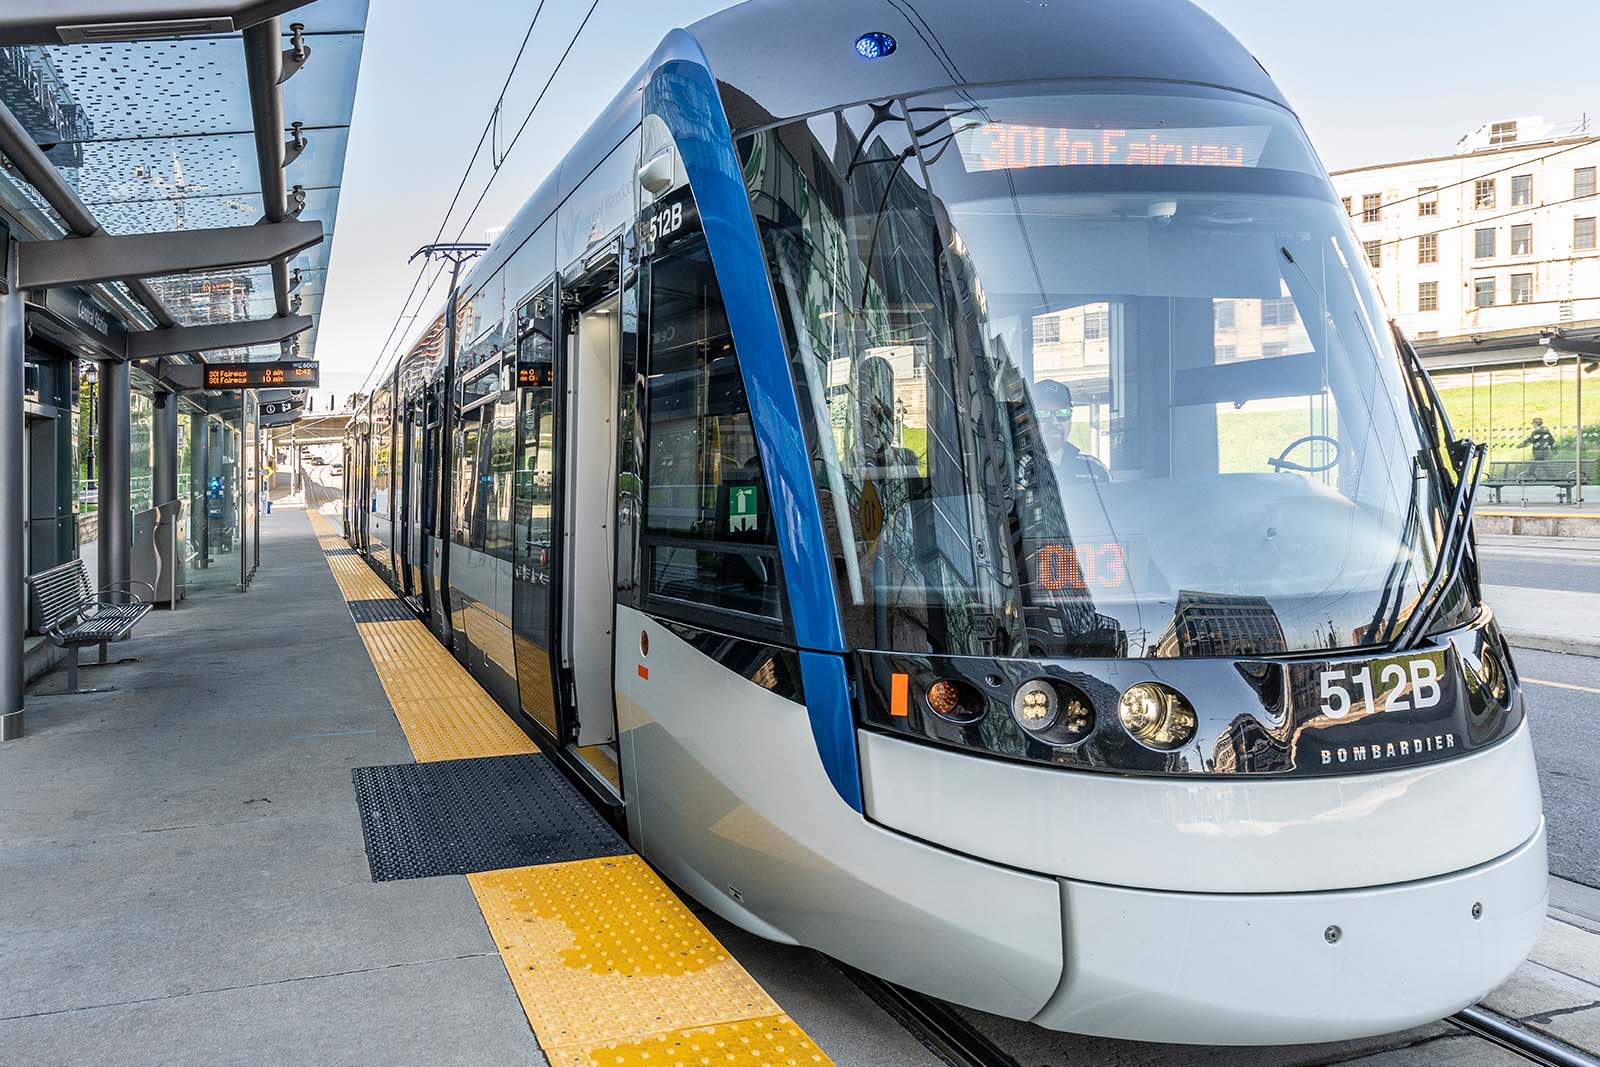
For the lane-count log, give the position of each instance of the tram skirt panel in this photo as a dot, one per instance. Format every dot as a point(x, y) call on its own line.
point(611, 968)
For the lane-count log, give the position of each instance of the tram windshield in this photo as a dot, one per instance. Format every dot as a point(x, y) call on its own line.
point(1093, 374)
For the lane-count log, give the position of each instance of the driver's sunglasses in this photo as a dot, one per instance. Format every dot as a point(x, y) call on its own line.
point(1058, 413)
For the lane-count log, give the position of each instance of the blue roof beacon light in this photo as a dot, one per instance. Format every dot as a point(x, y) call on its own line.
point(875, 45)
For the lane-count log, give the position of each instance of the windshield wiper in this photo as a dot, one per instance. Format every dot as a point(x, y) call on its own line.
point(1452, 547)
point(1467, 455)
point(1469, 458)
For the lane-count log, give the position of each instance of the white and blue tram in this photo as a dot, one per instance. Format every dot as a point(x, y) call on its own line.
point(942, 472)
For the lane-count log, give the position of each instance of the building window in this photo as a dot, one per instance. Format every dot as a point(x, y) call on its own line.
point(1225, 314)
point(1274, 349)
point(1427, 335)
point(1522, 288)
point(1227, 353)
point(1095, 323)
point(1047, 329)
point(1278, 313)
point(1483, 293)
point(1427, 296)
point(1483, 193)
point(1583, 181)
point(1483, 244)
point(1522, 239)
point(1428, 200)
point(1371, 207)
point(1374, 252)
point(1583, 234)
point(1521, 190)
point(1502, 133)
point(1428, 248)
point(1348, 210)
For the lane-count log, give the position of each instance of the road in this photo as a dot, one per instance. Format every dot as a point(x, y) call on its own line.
point(1571, 564)
point(1563, 694)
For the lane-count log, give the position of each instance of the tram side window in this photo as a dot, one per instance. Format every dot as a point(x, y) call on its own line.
point(708, 530)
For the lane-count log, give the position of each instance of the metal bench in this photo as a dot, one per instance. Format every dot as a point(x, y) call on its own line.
point(1521, 473)
point(71, 614)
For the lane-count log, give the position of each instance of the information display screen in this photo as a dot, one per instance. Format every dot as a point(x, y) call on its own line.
point(298, 374)
point(535, 377)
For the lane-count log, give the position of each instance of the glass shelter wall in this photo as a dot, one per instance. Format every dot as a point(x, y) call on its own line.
point(1529, 416)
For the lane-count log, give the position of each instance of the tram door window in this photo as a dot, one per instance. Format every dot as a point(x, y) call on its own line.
point(709, 552)
point(588, 541)
point(533, 508)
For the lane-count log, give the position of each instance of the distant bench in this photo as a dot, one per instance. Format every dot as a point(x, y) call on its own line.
point(71, 615)
point(1521, 473)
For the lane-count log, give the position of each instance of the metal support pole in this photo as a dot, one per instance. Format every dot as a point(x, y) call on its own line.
point(164, 478)
point(13, 477)
point(116, 490)
point(200, 484)
point(1577, 490)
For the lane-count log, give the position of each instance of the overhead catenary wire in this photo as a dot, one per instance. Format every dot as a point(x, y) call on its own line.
point(512, 144)
point(1523, 210)
point(1422, 192)
point(405, 314)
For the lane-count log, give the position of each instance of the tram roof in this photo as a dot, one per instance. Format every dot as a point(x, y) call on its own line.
point(151, 117)
point(789, 58)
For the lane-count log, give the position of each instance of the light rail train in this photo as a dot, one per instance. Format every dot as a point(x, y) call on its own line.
point(941, 472)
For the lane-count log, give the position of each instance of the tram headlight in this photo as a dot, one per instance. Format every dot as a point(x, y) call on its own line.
point(1157, 716)
point(1054, 713)
point(1036, 705)
point(1493, 673)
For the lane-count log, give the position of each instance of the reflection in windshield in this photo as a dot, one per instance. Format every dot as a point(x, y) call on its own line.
point(1091, 375)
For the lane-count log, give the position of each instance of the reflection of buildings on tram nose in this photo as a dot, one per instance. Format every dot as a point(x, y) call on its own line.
point(1217, 624)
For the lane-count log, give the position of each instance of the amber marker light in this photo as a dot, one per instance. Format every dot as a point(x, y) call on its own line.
point(899, 695)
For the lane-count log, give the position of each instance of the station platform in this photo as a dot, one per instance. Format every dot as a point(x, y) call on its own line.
point(186, 878)
point(267, 845)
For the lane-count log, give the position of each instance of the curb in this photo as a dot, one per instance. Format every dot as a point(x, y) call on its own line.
point(1571, 646)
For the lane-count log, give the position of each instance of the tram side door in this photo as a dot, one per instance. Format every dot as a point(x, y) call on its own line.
point(593, 343)
point(533, 510)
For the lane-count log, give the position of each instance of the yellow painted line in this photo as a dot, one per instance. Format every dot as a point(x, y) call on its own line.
point(611, 968)
point(1562, 685)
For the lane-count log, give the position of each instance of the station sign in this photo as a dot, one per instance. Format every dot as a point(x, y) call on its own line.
point(79, 311)
point(282, 407)
point(278, 375)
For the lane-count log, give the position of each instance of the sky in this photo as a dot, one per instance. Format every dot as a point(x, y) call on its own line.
point(1373, 81)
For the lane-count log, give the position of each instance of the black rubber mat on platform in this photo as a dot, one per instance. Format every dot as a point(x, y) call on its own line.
point(384, 609)
point(459, 816)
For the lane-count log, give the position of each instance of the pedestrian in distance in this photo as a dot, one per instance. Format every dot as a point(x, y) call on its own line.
point(1541, 439)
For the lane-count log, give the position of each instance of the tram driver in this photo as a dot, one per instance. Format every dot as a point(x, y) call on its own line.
point(1052, 407)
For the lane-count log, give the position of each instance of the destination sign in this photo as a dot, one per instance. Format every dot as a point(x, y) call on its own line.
point(535, 377)
point(1015, 146)
point(301, 373)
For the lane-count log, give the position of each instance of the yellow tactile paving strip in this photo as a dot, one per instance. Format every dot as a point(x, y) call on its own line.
point(611, 968)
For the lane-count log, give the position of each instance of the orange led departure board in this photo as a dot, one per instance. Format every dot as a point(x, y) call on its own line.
point(534, 377)
point(1017, 146)
point(284, 375)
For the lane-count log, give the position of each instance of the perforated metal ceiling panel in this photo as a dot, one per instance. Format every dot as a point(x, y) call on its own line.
point(158, 136)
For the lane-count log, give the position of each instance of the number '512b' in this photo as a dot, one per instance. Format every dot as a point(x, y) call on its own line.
point(1342, 688)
